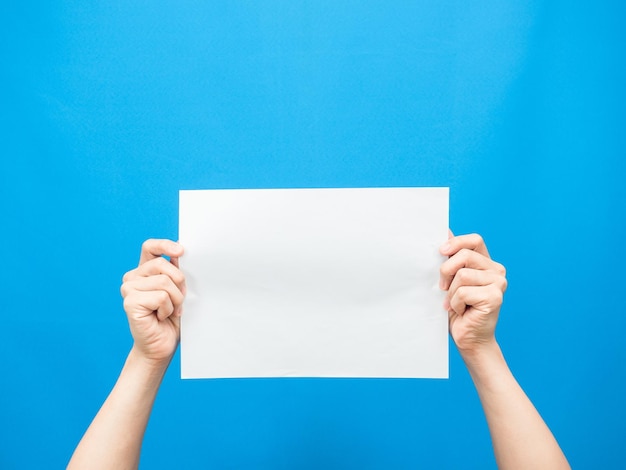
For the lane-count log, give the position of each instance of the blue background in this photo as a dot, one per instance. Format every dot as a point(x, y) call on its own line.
point(108, 108)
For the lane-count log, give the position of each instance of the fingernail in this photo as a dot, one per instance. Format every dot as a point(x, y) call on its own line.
point(445, 248)
point(446, 304)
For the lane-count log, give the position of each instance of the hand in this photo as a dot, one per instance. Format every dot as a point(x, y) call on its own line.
point(153, 296)
point(475, 285)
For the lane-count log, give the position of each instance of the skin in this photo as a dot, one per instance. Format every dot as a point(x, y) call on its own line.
point(476, 285)
point(153, 297)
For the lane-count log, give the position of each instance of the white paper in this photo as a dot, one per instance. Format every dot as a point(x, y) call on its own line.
point(313, 283)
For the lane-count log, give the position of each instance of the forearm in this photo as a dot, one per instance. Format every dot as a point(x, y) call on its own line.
point(113, 440)
point(520, 437)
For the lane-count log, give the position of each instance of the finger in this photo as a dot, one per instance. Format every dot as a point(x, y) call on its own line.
point(487, 298)
point(475, 277)
point(183, 284)
point(155, 267)
point(478, 277)
point(470, 277)
point(154, 248)
point(139, 304)
point(471, 242)
point(153, 283)
point(174, 259)
point(465, 258)
point(166, 308)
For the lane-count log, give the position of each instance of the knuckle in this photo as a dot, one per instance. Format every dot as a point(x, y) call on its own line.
point(172, 273)
point(496, 296)
point(145, 246)
point(127, 303)
point(464, 275)
point(463, 256)
point(459, 259)
point(443, 269)
point(478, 239)
point(457, 304)
point(156, 266)
point(500, 269)
point(162, 297)
point(179, 277)
point(163, 280)
point(461, 292)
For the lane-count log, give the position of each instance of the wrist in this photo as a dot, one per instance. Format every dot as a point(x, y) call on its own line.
point(482, 356)
point(487, 367)
point(151, 365)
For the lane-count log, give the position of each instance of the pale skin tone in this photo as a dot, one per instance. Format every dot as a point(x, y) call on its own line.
point(475, 285)
point(153, 297)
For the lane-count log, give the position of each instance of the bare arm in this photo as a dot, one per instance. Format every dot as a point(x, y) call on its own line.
point(153, 295)
point(520, 437)
point(475, 286)
point(114, 438)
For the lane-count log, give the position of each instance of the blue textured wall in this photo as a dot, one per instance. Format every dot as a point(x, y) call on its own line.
point(108, 108)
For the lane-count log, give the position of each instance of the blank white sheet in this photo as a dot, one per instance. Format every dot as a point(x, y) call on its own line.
point(313, 283)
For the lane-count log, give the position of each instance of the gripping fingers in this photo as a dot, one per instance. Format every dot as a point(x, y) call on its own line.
point(476, 277)
point(472, 242)
point(463, 259)
point(159, 282)
point(486, 298)
point(158, 266)
point(155, 248)
point(139, 304)
point(466, 277)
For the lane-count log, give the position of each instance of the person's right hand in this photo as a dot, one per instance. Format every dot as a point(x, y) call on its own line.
point(475, 285)
point(153, 296)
